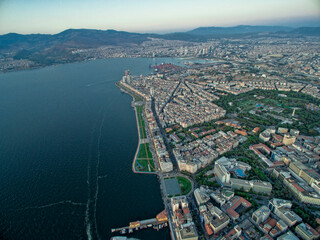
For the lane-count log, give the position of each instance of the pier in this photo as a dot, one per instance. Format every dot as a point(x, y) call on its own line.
point(159, 222)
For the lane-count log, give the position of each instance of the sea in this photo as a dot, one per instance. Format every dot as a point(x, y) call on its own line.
point(68, 136)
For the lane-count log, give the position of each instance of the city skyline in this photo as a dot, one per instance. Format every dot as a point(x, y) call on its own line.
point(146, 16)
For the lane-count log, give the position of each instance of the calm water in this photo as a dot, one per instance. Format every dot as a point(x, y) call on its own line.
point(67, 141)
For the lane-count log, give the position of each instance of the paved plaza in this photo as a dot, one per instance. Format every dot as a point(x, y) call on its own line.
point(172, 186)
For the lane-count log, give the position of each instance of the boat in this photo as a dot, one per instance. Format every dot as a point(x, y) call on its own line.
point(130, 230)
point(149, 225)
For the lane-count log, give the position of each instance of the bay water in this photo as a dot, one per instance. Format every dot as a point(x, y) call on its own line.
point(68, 136)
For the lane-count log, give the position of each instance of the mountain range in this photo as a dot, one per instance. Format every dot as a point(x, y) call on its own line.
point(90, 38)
point(47, 48)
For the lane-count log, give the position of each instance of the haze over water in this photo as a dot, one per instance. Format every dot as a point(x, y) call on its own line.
point(67, 141)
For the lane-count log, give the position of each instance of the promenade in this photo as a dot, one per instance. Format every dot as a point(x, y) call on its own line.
point(143, 161)
point(146, 153)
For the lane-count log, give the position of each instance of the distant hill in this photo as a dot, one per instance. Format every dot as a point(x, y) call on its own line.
point(96, 38)
point(90, 38)
point(311, 31)
point(46, 49)
point(241, 29)
point(72, 38)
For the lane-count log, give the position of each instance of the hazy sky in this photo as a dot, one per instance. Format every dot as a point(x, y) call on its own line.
point(52, 16)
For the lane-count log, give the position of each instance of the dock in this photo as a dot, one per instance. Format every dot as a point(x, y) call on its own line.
point(158, 223)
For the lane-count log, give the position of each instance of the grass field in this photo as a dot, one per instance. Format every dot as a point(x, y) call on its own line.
point(142, 129)
point(142, 165)
point(138, 98)
point(144, 151)
point(144, 160)
point(185, 185)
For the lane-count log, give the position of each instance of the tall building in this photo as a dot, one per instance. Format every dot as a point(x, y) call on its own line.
point(288, 236)
point(222, 173)
point(261, 214)
point(288, 139)
point(261, 187)
point(281, 208)
point(187, 232)
point(306, 232)
point(276, 203)
point(201, 197)
point(152, 91)
point(179, 202)
point(240, 184)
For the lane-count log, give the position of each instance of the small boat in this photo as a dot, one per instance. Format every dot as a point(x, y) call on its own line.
point(149, 225)
point(130, 230)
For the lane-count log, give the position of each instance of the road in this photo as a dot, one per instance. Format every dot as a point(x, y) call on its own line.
point(162, 131)
point(171, 96)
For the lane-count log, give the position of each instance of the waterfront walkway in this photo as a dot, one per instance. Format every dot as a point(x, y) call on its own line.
point(145, 140)
point(143, 152)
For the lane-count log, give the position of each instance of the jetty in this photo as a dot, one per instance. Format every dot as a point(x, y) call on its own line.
point(157, 223)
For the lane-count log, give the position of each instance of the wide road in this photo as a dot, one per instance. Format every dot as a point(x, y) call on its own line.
point(162, 131)
point(171, 96)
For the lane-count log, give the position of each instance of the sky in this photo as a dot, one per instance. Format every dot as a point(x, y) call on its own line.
point(161, 16)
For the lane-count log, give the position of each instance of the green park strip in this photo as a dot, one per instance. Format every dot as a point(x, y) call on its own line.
point(142, 129)
point(137, 98)
point(185, 185)
point(144, 161)
point(144, 151)
point(145, 165)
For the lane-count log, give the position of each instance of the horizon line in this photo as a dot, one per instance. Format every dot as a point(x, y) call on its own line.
point(162, 32)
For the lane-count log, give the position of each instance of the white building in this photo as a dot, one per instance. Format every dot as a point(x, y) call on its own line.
point(222, 174)
point(261, 214)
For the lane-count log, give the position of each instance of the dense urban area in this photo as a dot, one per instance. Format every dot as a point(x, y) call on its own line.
point(235, 141)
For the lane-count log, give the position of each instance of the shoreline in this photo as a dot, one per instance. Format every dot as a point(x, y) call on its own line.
point(122, 88)
point(35, 67)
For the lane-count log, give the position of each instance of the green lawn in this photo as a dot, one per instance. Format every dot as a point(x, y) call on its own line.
point(185, 185)
point(144, 151)
point(142, 129)
point(138, 98)
point(143, 165)
point(144, 158)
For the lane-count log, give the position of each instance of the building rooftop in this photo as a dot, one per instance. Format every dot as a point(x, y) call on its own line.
point(288, 236)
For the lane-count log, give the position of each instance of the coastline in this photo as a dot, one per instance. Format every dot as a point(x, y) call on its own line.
point(125, 90)
point(35, 67)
